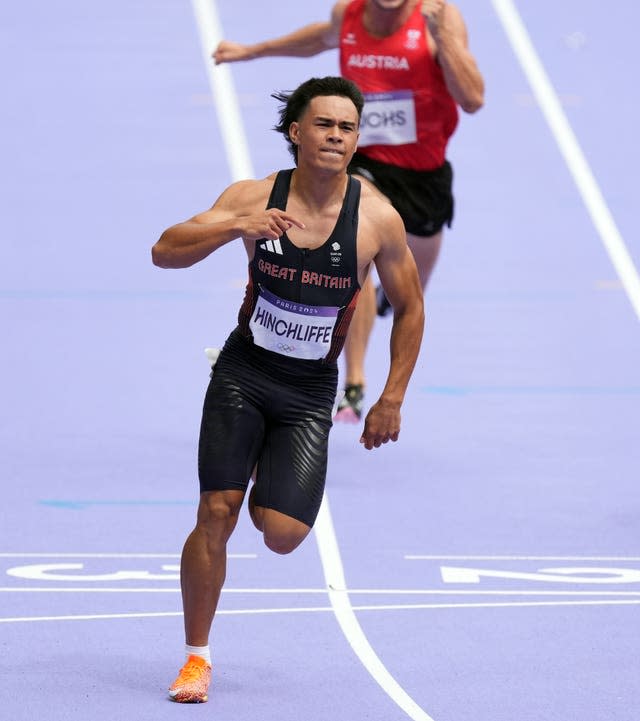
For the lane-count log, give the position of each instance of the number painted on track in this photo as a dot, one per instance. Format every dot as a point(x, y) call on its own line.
point(454, 574)
point(50, 572)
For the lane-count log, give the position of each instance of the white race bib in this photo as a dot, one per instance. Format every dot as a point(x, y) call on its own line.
point(292, 329)
point(388, 119)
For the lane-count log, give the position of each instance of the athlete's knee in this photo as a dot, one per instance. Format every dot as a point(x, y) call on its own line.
point(282, 544)
point(282, 534)
point(219, 507)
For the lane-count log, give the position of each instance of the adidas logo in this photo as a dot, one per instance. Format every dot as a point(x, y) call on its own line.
point(273, 246)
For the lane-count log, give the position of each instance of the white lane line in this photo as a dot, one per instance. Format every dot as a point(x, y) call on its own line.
point(500, 604)
point(420, 557)
point(224, 95)
point(111, 555)
point(341, 604)
point(373, 669)
point(323, 591)
point(570, 148)
point(238, 153)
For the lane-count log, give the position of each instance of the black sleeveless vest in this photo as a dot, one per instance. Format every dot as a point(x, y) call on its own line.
point(323, 278)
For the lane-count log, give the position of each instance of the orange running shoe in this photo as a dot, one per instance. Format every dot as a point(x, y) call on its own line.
point(193, 681)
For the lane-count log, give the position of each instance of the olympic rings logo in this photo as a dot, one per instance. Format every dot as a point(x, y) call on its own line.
point(285, 348)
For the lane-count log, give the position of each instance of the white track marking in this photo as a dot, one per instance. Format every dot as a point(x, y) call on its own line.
point(321, 591)
point(570, 149)
point(344, 611)
point(374, 668)
point(111, 555)
point(224, 95)
point(520, 558)
point(499, 604)
point(238, 153)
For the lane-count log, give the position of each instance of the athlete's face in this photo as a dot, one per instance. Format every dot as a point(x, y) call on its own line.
point(327, 132)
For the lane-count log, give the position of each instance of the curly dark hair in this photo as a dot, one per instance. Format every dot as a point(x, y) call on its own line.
point(296, 102)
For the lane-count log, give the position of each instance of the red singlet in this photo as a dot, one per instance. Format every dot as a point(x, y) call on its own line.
point(409, 114)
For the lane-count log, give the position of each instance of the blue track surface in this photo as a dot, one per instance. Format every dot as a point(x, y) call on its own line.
point(491, 555)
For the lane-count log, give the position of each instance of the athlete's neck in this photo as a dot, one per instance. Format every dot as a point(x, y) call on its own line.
point(318, 191)
point(381, 23)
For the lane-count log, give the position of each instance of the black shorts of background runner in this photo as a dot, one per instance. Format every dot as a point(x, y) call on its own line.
point(424, 198)
point(265, 408)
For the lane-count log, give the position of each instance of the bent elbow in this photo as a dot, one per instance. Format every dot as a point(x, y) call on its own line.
point(161, 255)
point(473, 104)
point(163, 252)
point(157, 257)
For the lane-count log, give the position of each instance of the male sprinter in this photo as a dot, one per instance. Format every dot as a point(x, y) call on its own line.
point(310, 234)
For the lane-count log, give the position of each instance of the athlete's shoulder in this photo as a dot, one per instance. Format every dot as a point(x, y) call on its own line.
point(342, 7)
point(377, 208)
point(453, 18)
point(332, 36)
point(453, 10)
point(254, 185)
point(244, 195)
point(369, 194)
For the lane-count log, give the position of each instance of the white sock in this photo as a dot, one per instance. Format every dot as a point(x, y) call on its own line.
point(202, 651)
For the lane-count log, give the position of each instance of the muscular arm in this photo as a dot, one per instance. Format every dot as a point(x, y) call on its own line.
point(399, 277)
point(302, 43)
point(461, 74)
point(238, 213)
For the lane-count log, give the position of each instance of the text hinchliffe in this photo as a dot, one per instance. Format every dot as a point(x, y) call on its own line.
point(302, 332)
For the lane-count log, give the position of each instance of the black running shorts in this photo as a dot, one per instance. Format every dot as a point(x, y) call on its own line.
point(424, 198)
point(275, 411)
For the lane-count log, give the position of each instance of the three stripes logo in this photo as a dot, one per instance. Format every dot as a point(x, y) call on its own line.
point(272, 246)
